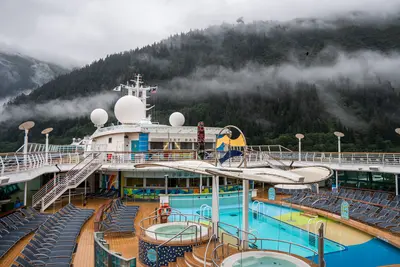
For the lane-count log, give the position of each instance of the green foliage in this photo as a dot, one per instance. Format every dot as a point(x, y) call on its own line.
point(266, 115)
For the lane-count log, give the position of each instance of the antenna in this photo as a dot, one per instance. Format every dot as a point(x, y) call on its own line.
point(138, 90)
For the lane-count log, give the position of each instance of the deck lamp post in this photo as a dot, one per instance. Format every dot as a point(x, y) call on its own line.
point(299, 136)
point(26, 126)
point(339, 135)
point(245, 192)
point(397, 178)
point(166, 184)
point(46, 132)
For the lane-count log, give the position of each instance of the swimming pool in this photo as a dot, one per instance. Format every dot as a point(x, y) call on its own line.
point(375, 252)
point(264, 226)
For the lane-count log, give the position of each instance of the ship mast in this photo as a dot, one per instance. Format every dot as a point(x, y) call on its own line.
point(138, 90)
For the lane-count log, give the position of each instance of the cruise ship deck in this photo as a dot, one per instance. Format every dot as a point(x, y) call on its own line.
point(145, 194)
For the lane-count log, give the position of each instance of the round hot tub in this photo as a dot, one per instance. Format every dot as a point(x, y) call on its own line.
point(165, 231)
point(263, 258)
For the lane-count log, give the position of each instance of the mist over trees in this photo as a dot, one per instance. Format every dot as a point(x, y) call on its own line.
point(272, 80)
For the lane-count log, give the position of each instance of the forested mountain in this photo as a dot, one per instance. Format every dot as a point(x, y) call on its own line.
point(270, 79)
point(19, 73)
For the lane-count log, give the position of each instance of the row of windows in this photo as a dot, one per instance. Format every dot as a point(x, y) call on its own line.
point(367, 180)
point(177, 182)
point(173, 145)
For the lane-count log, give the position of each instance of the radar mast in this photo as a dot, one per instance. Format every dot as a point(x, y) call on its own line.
point(135, 88)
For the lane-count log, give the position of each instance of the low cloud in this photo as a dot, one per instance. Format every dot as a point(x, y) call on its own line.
point(329, 70)
point(357, 69)
point(60, 109)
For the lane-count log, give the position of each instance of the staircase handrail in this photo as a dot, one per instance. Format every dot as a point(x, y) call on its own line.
point(50, 186)
point(208, 244)
point(65, 181)
point(94, 159)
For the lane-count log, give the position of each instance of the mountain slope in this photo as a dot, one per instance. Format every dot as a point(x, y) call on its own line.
point(19, 73)
point(270, 79)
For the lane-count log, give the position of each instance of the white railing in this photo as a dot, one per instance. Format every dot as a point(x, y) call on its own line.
point(37, 147)
point(57, 186)
point(269, 148)
point(352, 158)
point(113, 157)
point(17, 162)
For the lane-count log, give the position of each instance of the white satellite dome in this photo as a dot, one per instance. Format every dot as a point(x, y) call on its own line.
point(176, 119)
point(129, 109)
point(99, 117)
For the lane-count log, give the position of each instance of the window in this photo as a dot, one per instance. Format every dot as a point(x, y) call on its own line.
point(209, 145)
point(156, 145)
point(186, 145)
point(110, 140)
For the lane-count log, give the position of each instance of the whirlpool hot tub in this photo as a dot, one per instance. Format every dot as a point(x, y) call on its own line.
point(263, 258)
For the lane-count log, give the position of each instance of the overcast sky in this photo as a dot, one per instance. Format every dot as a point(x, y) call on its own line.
point(80, 31)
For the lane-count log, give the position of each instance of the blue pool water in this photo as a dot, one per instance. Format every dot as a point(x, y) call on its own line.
point(377, 252)
point(263, 226)
point(225, 200)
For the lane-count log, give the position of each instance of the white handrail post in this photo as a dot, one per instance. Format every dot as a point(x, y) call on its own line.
point(245, 211)
point(25, 193)
point(25, 146)
point(215, 204)
point(47, 148)
point(2, 165)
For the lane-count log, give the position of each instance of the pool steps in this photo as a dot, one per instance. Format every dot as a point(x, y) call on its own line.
point(195, 258)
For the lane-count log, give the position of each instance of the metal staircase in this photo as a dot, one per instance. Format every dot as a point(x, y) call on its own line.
point(53, 189)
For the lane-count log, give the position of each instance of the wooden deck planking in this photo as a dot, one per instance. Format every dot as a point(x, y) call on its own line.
point(84, 256)
point(12, 254)
point(127, 245)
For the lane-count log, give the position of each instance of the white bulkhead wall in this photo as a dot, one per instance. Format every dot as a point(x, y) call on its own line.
point(118, 142)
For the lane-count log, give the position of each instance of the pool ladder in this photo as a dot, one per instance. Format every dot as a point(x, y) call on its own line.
point(315, 228)
point(205, 210)
point(258, 207)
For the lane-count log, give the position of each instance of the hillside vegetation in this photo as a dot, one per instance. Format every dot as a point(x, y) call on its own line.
point(272, 80)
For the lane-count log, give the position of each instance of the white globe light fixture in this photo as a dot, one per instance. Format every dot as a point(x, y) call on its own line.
point(99, 117)
point(176, 119)
point(129, 110)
